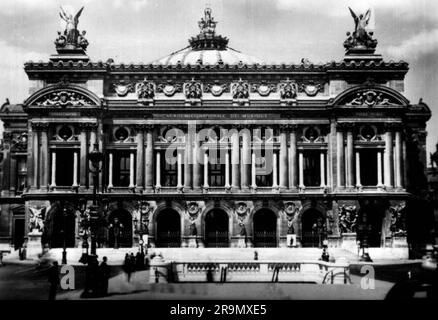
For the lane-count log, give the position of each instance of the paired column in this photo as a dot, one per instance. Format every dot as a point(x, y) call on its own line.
point(350, 157)
point(340, 161)
point(131, 170)
point(158, 170)
point(75, 168)
point(44, 159)
point(140, 156)
point(197, 158)
point(110, 170)
point(322, 169)
point(93, 140)
point(253, 171)
point(389, 158)
point(206, 186)
point(358, 183)
point(235, 163)
point(53, 182)
point(188, 157)
point(35, 154)
point(179, 169)
point(283, 158)
point(379, 169)
point(149, 159)
point(398, 159)
point(274, 169)
point(301, 169)
point(227, 169)
point(293, 168)
point(246, 156)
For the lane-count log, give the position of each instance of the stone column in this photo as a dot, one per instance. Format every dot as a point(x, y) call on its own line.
point(75, 168)
point(93, 140)
point(227, 169)
point(293, 168)
point(399, 160)
point(206, 186)
point(235, 163)
point(358, 183)
point(110, 170)
point(131, 169)
point(179, 170)
point(158, 170)
point(197, 152)
point(301, 169)
point(274, 170)
point(389, 159)
point(188, 156)
point(322, 168)
point(44, 164)
point(283, 159)
point(340, 161)
point(246, 157)
point(253, 171)
point(379, 169)
point(149, 159)
point(35, 151)
point(13, 174)
point(140, 158)
point(350, 158)
point(83, 154)
point(53, 182)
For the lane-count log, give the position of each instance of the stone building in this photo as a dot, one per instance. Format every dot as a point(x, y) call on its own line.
point(210, 147)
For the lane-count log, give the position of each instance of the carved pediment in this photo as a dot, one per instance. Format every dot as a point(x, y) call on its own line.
point(63, 96)
point(370, 96)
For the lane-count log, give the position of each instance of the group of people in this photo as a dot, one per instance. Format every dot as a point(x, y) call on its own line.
point(134, 263)
point(96, 277)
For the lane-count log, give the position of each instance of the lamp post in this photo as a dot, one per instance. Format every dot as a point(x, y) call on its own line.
point(85, 225)
point(95, 157)
point(64, 245)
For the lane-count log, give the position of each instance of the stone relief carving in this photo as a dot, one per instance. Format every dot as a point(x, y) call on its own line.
point(292, 211)
point(216, 89)
point(240, 90)
point(398, 219)
point(169, 89)
point(19, 141)
point(193, 90)
point(311, 88)
point(64, 98)
point(123, 88)
point(241, 209)
point(348, 216)
point(145, 90)
point(288, 90)
point(369, 98)
point(193, 210)
point(36, 219)
point(263, 88)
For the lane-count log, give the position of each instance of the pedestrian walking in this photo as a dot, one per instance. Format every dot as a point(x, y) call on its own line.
point(104, 275)
point(132, 263)
point(127, 267)
point(53, 280)
point(139, 261)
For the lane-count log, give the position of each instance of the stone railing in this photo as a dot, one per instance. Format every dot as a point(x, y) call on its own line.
point(254, 271)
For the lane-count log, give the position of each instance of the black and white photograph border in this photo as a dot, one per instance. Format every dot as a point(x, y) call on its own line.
point(256, 150)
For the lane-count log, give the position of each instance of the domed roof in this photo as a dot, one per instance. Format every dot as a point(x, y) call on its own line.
point(207, 48)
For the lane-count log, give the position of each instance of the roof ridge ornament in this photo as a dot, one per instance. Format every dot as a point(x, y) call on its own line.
point(207, 25)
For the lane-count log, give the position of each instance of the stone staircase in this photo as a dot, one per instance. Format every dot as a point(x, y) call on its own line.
point(116, 256)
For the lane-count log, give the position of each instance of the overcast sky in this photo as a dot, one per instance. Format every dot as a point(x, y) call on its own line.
point(274, 31)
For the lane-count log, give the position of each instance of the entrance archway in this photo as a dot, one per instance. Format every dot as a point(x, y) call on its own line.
point(120, 229)
point(312, 221)
point(265, 228)
point(216, 228)
point(63, 227)
point(168, 229)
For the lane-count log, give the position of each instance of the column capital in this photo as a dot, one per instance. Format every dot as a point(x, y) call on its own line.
point(88, 126)
point(345, 126)
point(393, 126)
point(40, 126)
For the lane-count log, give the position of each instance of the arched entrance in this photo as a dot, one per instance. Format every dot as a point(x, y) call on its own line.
point(216, 228)
point(168, 229)
point(265, 228)
point(63, 227)
point(120, 229)
point(312, 228)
